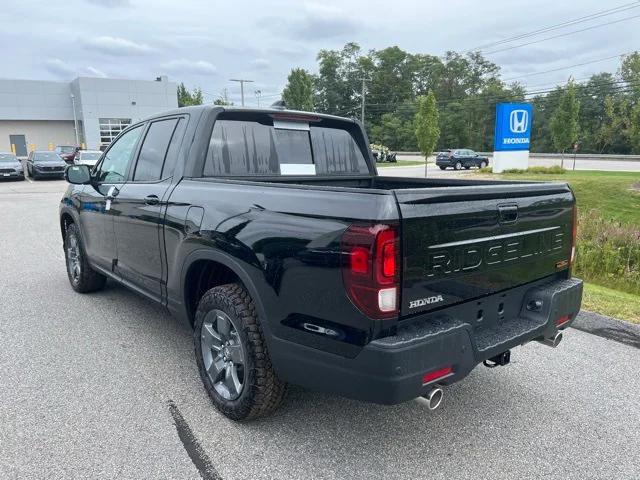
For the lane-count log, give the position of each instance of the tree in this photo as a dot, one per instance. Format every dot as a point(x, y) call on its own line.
point(187, 98)
point(298, 94)
point(564, 123)
point(427, 125)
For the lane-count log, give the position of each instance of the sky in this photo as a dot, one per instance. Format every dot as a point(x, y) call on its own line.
point(204, 43)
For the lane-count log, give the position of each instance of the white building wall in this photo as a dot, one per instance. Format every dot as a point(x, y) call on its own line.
point(39, 134)
point(110, 98)
point(36, 102)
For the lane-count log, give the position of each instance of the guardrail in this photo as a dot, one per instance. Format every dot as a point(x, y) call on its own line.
point(558, 156)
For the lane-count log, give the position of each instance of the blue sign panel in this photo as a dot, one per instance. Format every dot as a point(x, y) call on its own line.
point(513, 126)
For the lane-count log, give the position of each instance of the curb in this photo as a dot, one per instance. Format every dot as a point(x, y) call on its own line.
point(608, 327)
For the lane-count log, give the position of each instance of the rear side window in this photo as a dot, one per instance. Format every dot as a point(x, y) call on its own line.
point(154, 150)
point(241, 148)
point(174, 148)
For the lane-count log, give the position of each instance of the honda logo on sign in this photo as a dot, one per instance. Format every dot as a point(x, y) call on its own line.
point(519, 121)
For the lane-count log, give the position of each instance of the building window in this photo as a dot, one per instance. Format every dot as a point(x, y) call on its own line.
point(110, 128)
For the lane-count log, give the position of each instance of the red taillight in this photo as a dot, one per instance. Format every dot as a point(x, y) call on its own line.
point(562, 320)
point(436, 375)
point(370, 269)
point(574, 235)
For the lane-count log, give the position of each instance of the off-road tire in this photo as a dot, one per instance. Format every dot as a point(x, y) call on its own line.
point(89, 280)
point(262, 391)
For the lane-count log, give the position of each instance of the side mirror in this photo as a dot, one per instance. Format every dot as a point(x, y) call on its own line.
point(78, 174)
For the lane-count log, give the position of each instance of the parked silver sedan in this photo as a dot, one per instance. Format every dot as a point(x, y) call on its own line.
point(10, 166)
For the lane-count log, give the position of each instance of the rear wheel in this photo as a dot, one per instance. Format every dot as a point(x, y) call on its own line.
point(467, 167)
point(232, 356)
point(82, 277)
point(483, 164)
point(458, 165)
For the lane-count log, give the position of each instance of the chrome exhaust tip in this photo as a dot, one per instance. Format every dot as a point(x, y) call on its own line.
point(551, 341)
point(434, 398)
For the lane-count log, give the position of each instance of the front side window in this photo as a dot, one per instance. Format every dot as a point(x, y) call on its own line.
point(90, 155)
point(154, 150)
point(113, 168)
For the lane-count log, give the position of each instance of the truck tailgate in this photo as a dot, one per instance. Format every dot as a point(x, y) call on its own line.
point(462, 243)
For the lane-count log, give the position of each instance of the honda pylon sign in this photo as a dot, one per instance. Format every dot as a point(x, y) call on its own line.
point(513, 126)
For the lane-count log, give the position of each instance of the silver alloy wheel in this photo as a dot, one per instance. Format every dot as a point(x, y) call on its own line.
point(73, 258)
point(458, 166)
point(222, 354)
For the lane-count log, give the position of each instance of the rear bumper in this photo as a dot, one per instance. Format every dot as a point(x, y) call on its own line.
point(390, 370)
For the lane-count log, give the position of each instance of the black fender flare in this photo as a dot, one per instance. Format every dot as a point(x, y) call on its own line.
point(236, 267)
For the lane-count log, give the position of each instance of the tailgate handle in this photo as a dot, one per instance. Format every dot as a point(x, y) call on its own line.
point(507, 213)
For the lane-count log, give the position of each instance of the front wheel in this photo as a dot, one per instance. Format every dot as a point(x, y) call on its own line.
point(458, 166)
point(442, 167)
point(483, 164)
point(82, 277)
point(232, 356)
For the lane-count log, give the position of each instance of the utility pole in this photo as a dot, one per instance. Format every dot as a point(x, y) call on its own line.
point(363, 100)
point(241, 82)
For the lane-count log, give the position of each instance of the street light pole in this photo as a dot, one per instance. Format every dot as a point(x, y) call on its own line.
point(258, 94)
point(242, 82)
point(75, 119)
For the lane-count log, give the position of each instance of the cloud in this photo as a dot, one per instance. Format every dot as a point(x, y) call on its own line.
point(317, 22)
point(115, 46)
point(197, 67)
point(59, 68)
point(260, 63)
point(110, 3)
point(94, 72)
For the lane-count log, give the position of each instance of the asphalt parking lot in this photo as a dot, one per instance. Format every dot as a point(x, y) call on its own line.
point(105, 386)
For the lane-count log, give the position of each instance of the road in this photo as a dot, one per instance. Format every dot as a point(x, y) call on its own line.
point(105, 386)
point(605, 165)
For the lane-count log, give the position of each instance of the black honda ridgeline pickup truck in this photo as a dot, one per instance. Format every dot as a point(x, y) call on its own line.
point(272, 234)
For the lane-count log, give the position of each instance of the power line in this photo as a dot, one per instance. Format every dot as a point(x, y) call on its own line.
point(586, 18)
point(567, 66)
point(562, 35)
point(619, 86)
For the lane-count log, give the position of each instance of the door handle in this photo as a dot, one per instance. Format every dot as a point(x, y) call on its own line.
point(151, 200)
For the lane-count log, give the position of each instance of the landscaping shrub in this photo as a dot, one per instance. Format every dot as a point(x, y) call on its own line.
point(608, 252)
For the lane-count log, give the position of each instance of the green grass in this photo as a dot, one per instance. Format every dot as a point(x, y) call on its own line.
point(608, 237)
point(613, 303)
point(611, 193)
point(400, 163)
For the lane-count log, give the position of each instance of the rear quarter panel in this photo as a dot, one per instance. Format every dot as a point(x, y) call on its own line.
point(287, 240)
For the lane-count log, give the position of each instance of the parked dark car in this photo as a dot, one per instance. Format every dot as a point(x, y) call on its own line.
point(10, 166)
point(67, 152)
point(41, 164)
point(460, 158)
point(272, 235)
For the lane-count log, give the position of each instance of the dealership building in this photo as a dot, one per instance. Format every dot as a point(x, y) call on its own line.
point(38, 115)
